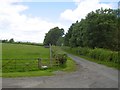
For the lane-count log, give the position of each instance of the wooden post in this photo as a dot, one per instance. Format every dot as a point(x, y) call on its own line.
point(15, 66)
point(50, 55)
point(39, 63)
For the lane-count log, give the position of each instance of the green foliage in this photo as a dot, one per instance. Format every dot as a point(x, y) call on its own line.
point(68, 36)
point(29, 43)
point(4, 41)
point(60, 41)
point(99, 29)
point(53, 35)
point(7, 41)
point(59, 56)
point(11, 40)
point(98, 54)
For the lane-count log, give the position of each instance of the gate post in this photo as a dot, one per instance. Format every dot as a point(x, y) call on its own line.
point(50, 55)
point(39, 63)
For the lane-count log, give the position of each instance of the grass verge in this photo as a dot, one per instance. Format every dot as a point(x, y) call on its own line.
point(71, 66)
point(27, 74)
point(97, 55)
point(109, 64)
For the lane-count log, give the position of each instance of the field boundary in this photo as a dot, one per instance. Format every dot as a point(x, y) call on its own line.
point(12, 65)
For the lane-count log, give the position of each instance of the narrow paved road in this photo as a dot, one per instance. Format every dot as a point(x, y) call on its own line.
point(88, 75)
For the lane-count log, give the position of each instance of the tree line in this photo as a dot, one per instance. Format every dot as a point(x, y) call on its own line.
point(99, 29)
point(7, 41)
point(20, 42)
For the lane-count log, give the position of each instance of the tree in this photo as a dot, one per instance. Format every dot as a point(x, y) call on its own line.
point(68, 36)
point(53, 35)
point(11, 40)
point(99, 29)
point(60, 41)
point(4, 41)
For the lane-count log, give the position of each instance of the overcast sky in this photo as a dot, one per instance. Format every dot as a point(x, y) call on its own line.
point(31, 19)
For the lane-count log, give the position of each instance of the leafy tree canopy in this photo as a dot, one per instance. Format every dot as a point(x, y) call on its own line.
point(53, 35)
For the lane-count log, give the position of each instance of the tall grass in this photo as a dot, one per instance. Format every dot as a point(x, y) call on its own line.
point(98, 54)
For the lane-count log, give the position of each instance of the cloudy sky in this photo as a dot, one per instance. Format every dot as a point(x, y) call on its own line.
point(29, 20)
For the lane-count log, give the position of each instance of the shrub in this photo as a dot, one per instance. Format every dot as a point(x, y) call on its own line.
point(59, 56)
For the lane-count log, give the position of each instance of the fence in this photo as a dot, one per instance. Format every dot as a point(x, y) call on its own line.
point(22, 65)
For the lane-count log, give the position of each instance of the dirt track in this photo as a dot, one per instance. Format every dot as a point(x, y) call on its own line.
point(88, 75)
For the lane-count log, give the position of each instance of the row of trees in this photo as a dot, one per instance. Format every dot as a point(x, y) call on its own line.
point(20, 42)
point(99, 29)
point(7, 41)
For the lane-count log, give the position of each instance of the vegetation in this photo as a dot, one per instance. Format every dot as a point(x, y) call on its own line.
point(59, 56)
point(95, 37)
point(22, 60)
point(71, 66)
point(102, 56)
point(53, 36)
point(19, 42)
point(99, 29)
point(19, 51)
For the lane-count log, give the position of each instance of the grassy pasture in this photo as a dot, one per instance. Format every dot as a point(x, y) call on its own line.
point(21, 58)
point(19, 51)
point(24, 61)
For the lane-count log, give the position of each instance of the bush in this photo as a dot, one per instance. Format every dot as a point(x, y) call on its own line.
point(59, 56)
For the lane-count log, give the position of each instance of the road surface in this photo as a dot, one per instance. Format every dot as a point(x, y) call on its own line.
point(88, 75)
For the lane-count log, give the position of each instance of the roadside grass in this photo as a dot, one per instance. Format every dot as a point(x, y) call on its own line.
point(109, 64)
point(71, 65)
point(104, 60)
point(27, 74)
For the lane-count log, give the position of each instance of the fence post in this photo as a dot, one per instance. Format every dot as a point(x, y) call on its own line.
point(15, 66)
point(39, 63)
point(50, 55)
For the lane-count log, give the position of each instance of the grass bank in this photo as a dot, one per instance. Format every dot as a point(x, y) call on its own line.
point(98, 55)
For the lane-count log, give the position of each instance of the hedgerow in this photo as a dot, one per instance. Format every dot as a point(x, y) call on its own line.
point(97, 53)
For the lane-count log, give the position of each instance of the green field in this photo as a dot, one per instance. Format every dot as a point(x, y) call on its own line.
point(22, 60)
point(19, 51)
